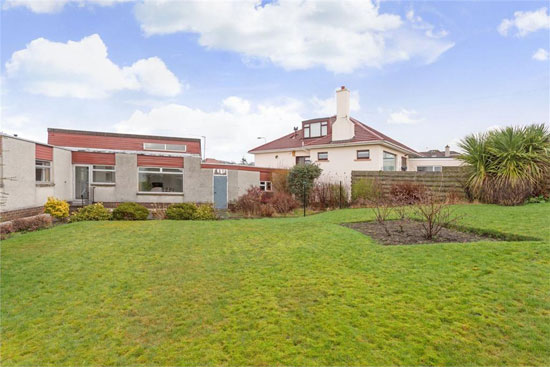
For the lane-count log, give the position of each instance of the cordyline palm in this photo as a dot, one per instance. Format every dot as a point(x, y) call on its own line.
point(512, 160)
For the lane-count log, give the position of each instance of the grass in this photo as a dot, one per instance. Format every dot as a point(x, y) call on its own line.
point(292, 291)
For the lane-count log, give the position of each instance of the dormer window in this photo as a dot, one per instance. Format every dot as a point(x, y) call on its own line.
point(315, 129)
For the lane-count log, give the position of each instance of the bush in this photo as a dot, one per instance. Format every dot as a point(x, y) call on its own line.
point(283, 202)
point(130, 211)
point(91, 212)
point(251, 202)
point(181, 211)
point(279, 181)
point(407, 193)
point(327, 195)
point(301, 178)
point(267, 210)
point(365, 189)
point(57, 208)
point(5, 229)
point(32, 223)
point(205, 212)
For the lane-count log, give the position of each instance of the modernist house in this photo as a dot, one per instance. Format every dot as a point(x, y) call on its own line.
point(341, 144)
point(84, 166)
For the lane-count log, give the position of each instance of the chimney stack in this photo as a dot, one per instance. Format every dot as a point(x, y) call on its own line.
point(343, 128)
point(447, 151)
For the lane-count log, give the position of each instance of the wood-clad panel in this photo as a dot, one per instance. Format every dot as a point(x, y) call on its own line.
point(64, 139)
point(158, 161)
point(43, 152)
point(93, 158)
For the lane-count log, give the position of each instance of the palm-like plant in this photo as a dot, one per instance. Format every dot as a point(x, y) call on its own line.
point(507, 165)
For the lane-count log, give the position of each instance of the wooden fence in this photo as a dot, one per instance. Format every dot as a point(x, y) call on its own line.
point(448, 182)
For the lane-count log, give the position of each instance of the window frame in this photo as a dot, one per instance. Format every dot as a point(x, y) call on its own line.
point(323, 129)
point(165, 147)
point(394, 161)
point(266, 186)
point(94, 169)
point(44, 167)
point(362, 151)
point(322, 159)
point(433, 168)
point(148, 169)
point(307, 159)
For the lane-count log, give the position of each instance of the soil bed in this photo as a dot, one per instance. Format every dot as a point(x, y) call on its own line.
point(412, 233)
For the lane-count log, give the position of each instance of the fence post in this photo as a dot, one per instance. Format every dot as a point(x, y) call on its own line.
point(304, 185)
point(340, 194)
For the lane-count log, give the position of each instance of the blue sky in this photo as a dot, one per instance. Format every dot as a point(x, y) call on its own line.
point(425, 73)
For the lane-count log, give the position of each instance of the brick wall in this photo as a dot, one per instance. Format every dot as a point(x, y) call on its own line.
point(450, 180)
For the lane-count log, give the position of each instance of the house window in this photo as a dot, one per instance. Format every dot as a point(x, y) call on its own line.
point(103, 174)
point(428, 168)
point(322, 156)
point(315, 129)
point(43, 171)
point(302, 160)
point(156, 179)
point(363, 154)
point(166, 147)
point(265, 185)
point(389, 161)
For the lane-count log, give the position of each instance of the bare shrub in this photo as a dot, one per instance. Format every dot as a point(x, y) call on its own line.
point(250, 203)
point(279, 181)
point(283, 202)
point(158, 211)
point(328, 195)
point(435, 213)
point(267, 210)
point(407, 193)
point(32, 223)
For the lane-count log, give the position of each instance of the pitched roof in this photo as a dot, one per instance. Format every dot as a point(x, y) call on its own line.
point(363, 133)
point(435, 153)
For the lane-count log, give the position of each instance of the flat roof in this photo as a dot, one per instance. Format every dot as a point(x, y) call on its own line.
point(99, 133)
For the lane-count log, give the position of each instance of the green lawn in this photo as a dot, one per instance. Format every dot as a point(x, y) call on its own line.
point(293, 291)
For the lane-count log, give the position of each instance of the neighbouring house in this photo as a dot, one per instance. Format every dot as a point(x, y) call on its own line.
point(83, 167)
point(434, 160)
point(341, 144)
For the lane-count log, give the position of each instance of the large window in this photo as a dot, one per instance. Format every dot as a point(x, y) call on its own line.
point(322, 156)
point(389, 161)
point(103, 174)
point(315, 129)
point(265, 185)
point(363, 154)
point(167, 147)
point(43, 171)
point(156, 179)
point(302, 160)
point(428, 168)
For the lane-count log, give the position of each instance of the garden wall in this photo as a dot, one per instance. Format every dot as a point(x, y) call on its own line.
point(448, 182)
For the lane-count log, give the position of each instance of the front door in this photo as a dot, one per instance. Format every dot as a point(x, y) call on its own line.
point(220, 192)
point(81, 182)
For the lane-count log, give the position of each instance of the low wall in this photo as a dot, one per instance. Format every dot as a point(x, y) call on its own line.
point(449, 181)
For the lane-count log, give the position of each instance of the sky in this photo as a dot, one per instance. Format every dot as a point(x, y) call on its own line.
point(239, 73)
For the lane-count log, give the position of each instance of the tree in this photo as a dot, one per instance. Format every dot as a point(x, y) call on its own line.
point(301, 178)
point(507, 165)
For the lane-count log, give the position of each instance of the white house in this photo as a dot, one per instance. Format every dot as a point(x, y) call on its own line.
point(341, 144)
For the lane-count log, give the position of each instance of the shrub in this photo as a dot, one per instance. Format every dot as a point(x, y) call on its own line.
point(158, 211)
point(279, 181)
point(283, 202)
point(181, 211)
point(5, 229)
point(57, 208)
point(32, 223)
point(301, 178)
point(205, 212)
point(251, 202)
point(435, 213)
point(267, 210)
point(328, 195)
point(407, 193)
point(91, 212)
point(130, 211)
point(365, 189)
point(507, 165)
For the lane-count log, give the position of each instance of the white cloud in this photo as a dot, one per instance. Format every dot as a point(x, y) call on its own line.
point(541, 55)
point(54, 6)
point(231, 130)
point(404, 116)
point(82, 69)
point(340, 36)
point(526, 22)
point(327, 107)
